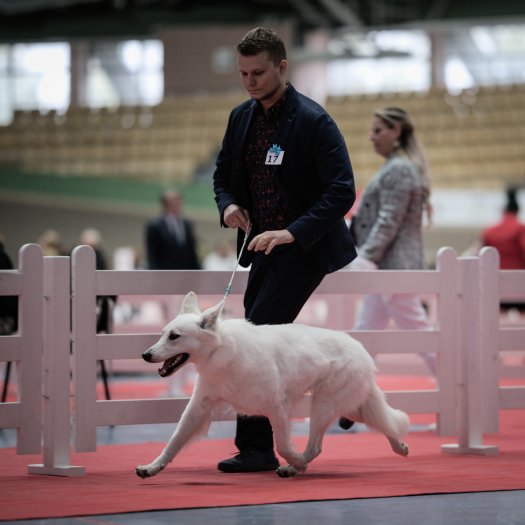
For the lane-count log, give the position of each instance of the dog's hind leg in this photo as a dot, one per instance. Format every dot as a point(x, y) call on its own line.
point(195, 421)
point(320, 420)
point(281, 431)
point(393, 423)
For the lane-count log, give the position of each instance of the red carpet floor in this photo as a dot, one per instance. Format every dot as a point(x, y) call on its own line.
point(351, 466)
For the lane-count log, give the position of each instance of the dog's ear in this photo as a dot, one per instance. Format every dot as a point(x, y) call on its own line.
point(211, 316)
point(190, 304)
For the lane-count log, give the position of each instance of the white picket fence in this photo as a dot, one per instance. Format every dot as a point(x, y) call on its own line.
point(58, 315)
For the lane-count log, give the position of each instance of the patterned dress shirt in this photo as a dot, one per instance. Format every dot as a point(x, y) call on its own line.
point(269, 211)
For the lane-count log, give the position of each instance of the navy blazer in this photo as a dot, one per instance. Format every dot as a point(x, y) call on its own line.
point(315, 178)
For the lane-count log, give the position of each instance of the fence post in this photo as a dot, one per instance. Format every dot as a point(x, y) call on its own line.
point(30, 364)
point(447, 266)
point(56, 380)
point(470, 395)
point(490, 311)
point(84, 348)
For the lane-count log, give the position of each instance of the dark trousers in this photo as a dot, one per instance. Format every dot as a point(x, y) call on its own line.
point(279, 285)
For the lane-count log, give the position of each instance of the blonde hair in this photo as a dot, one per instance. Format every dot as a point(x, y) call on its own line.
point(409, 147)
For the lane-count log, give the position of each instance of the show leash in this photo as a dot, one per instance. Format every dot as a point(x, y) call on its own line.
point(229, 287)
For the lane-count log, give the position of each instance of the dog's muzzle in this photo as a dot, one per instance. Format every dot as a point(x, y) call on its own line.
point(147, 356)
point(170, 365)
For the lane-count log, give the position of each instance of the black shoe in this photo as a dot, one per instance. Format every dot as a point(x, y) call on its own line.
point(345, 423)
point(250, 461)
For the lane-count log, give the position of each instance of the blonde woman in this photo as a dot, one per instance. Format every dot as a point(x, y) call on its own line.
point(388, 225)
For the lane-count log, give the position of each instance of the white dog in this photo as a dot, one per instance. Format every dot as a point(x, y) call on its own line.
point(266, 370)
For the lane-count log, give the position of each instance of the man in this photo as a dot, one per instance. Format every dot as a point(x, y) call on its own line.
point(170, 242)
point(284, 171)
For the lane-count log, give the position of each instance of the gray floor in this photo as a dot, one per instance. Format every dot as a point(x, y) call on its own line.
point(484, 508)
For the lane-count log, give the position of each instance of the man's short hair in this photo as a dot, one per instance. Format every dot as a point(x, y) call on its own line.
point(262, 39)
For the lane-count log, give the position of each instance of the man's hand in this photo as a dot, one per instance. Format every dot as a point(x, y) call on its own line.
point(362, 264)
point(267, 241)
point(236, 217)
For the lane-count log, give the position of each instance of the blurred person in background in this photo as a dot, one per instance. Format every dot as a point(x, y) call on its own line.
point(8, 304)
point(105, 303)
point(508, 237)
point(284, 174)
point(222, 257)
point(51, 243)
point(388, 225)
point(8, 313)
point(170, 241)
point(91, 237)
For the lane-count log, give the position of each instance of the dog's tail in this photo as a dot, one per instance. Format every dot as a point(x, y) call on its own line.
point(380, 416)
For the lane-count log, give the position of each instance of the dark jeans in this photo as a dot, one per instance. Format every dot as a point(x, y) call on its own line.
point(279, 285)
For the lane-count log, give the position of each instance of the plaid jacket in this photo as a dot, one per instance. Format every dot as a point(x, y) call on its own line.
point(388, 225)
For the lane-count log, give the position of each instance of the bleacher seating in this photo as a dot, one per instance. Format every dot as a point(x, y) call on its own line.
point(473, 139)
point(169, 141)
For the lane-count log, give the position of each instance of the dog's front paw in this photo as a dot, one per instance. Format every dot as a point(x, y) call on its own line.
point(403, 449)
point(400, 448)
point(147, 471)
